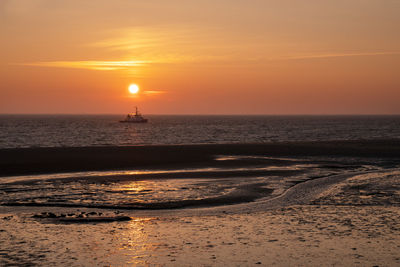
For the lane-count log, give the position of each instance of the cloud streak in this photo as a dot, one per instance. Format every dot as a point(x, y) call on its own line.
point(129, 65)
point(91, 64)
point(154, 92)
point(336, 55)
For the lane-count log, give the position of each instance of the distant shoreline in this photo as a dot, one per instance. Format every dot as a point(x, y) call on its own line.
point(41, 160)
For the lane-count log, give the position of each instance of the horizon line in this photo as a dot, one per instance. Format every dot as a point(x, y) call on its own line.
point(215, 114)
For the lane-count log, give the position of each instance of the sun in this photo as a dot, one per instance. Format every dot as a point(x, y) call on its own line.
point(133, 88)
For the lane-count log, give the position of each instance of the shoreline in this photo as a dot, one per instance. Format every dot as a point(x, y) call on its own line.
point(24, 161)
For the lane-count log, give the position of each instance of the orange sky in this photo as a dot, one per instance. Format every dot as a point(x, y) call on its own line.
point(200, 57)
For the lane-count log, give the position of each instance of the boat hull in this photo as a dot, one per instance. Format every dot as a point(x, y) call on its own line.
point(143, 121)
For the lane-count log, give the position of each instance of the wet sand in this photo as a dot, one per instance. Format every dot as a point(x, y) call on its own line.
point(295, 236)
point(322, 231)
point(347, 217)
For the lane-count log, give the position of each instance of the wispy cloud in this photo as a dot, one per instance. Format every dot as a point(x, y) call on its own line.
point(334, 55)
point(130, 65)
point(154, 92)
point(144, 38)
point(147, 93)
point(91, 65)
point(165, 45)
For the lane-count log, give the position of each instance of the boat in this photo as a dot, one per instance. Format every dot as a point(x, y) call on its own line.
point(135, 117)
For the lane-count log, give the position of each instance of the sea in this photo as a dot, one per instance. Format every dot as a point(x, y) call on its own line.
point(230, 180)
point(17, 131)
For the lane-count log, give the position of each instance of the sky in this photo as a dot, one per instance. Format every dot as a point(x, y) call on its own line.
point(200, 57)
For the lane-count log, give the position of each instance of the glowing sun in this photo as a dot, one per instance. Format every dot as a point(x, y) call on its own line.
point(133, 89)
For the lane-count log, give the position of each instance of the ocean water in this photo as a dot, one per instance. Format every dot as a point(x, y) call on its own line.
point(105, 130)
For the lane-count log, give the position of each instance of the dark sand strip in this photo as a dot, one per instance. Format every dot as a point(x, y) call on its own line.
point(52, 160)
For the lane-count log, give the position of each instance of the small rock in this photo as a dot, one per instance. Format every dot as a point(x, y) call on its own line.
point(51, 215)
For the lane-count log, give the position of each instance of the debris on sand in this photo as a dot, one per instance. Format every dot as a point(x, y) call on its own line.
point(81, 217)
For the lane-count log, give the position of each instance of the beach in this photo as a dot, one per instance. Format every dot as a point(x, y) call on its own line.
point(278, 204)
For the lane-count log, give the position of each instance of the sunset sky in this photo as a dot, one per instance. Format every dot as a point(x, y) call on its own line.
point(200, 57)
